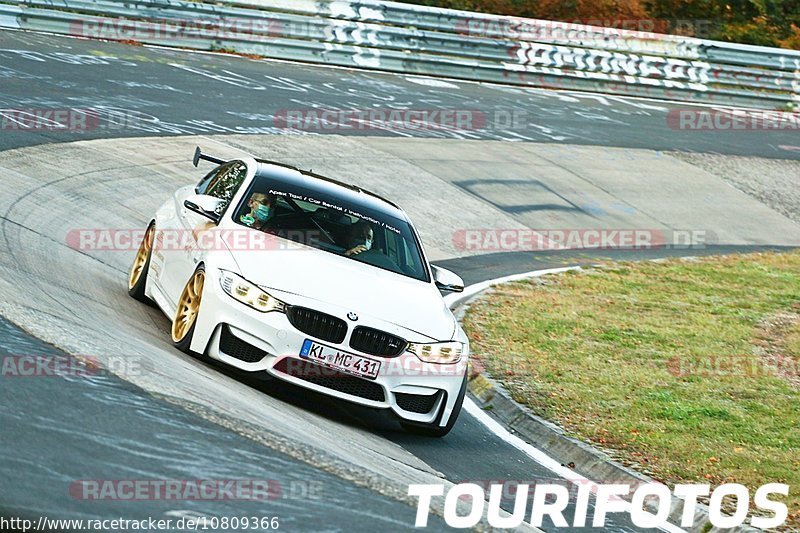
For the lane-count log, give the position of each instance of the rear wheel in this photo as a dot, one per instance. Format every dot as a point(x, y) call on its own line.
point(188, 307)
point(435, 430)
point(137, 280)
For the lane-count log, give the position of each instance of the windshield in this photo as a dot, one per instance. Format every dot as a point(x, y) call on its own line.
point(331, 224)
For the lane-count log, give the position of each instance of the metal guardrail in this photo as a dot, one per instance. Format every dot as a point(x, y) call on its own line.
point(439, 42)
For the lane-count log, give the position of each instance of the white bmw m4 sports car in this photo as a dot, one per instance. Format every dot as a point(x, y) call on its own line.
point(268, 268)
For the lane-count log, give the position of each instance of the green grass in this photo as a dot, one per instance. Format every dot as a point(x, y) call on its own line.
point(793, 342)
point(655, 361)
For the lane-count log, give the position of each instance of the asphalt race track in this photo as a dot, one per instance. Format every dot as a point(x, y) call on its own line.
point(597, 162)
point(168, 92)
point(96, 435)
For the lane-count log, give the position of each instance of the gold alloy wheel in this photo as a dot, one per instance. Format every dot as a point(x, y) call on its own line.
point(188, 306)
point(141, 258)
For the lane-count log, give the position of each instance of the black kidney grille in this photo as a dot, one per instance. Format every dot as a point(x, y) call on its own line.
point(416, 403)
point(375, 342)
point(231, 345)
point(330, 379)
point(317, 324)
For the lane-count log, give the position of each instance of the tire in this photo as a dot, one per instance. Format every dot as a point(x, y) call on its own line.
point(434, 430)
point(137, 278)
point(188, 308)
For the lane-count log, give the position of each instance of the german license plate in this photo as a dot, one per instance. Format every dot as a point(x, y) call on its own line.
point(339, 360)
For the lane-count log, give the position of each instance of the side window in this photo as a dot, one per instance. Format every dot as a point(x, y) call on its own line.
point(226, 182)
point(202, 187)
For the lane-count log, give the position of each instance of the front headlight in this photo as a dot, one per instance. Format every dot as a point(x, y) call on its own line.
point(442, 353)
point(240, 289)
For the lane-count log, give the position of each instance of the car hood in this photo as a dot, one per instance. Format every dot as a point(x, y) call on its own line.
point(370, 292)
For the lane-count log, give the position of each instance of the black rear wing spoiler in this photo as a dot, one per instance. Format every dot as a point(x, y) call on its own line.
point(198, 155)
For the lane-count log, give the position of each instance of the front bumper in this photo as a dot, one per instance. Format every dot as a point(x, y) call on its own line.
point(246, 339)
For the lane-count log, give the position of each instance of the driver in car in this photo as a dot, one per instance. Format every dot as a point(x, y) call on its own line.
point(361, 238)
point(262, 207)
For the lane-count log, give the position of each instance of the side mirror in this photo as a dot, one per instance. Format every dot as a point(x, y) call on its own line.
point(446, 280)
point(207, 206)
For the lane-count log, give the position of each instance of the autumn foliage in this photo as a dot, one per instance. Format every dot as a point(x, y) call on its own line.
point(760, 22)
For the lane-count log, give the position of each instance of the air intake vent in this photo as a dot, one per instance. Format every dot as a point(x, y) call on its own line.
point(233, 346)
point(416, 403)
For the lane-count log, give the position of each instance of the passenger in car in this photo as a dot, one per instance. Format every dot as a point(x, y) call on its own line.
point(361, 238)
point(262, 208)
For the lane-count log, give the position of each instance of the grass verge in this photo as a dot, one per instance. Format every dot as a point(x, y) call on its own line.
point(685, 369)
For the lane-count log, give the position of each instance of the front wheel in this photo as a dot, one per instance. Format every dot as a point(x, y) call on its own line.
point(435, 430)
point(137, 279)
point(188, 308)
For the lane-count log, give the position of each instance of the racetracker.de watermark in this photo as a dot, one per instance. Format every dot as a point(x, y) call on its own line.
point(49, 119)
point(71, 119)
point(237, 28)
point(590, 30)
point(394, 367)
point(175, 489)
point(697, 119)
point(316, 119)
point(48, 366)
point(205, 28)
point(180, 240)
point(515, 239)
point(733, 366)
